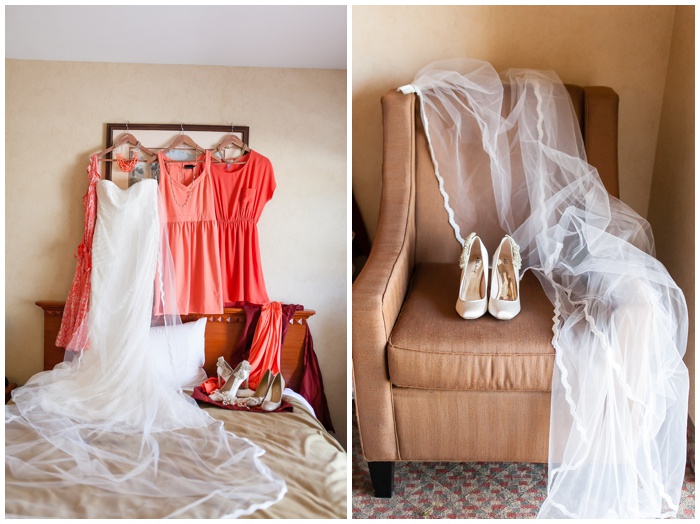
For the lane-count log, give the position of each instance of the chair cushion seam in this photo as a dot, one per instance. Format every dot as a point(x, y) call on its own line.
point(427, 352)
point(470, 389)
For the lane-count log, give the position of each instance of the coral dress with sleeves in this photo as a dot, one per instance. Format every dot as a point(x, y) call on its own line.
point(188, 197)
point(241, 191)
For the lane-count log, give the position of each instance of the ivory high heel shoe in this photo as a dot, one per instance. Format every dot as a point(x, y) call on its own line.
point(504, 300)
point(238, 376)
point(223, 372)
point(242, 390)
point(273, 399)
point(474, 261)
point(261, 391)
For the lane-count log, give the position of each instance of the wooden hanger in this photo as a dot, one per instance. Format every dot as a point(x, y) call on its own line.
point(230, 141)
point(183, 139)
point(122, 139)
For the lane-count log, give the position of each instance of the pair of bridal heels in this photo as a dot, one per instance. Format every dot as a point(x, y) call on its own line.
point(504, 299)
point(268, 394)
point(233, 383)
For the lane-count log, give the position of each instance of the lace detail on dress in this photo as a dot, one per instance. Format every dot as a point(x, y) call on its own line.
point(73, 334)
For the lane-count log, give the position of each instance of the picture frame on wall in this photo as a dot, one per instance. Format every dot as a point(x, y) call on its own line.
point(157, 137)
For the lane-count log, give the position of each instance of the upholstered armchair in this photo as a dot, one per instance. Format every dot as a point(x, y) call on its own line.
point(430, 386)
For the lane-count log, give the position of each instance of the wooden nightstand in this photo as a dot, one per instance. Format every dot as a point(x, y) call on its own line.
point(8, 390)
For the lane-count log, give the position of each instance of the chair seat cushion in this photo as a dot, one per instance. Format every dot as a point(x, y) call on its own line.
point(432, 347)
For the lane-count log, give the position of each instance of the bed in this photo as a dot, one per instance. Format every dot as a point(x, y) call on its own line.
point(297, 447)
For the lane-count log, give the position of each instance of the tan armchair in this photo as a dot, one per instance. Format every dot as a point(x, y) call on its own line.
point(430, 386)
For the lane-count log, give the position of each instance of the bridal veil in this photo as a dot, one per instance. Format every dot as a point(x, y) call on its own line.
point(509, 156)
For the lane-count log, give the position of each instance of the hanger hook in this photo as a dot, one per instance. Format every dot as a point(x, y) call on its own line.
point(231, 127)
point(127, 126)
point(182, 128)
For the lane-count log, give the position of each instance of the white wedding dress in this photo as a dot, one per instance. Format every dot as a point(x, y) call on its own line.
point(107, 422)
point(512, 160)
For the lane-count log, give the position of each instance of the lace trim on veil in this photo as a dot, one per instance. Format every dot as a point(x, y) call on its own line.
point(410, 88)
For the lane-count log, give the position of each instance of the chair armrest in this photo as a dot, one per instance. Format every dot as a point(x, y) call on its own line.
point(379, 291)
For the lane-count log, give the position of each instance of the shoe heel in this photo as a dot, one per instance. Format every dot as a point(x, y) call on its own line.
point(223, 372)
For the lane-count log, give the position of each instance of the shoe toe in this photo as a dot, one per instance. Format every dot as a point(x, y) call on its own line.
point(505, 311)
point(470, 310)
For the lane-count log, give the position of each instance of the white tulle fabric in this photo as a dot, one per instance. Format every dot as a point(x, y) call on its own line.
point(509, 157)
point(107, 422)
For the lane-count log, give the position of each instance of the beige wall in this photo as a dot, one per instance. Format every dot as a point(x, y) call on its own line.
point(672, 202)
point(624, 47)
point(55, 118)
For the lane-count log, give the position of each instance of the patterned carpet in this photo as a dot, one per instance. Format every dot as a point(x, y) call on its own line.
point(443, 490)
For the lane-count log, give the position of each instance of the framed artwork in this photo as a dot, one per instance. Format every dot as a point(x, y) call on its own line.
point(157, 137)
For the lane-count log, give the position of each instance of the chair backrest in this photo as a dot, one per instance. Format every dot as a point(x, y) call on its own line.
point(596, 109)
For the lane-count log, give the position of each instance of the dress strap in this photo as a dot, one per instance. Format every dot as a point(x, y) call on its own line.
point(207, 162)
point(93, 169)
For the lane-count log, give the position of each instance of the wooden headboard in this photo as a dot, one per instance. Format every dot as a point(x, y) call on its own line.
point(221, 335)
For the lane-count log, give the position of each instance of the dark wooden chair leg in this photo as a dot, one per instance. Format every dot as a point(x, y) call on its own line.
point(382, 474)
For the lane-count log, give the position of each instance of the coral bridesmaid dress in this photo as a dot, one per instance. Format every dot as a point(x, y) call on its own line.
point(188, 195)
point(241, 192)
